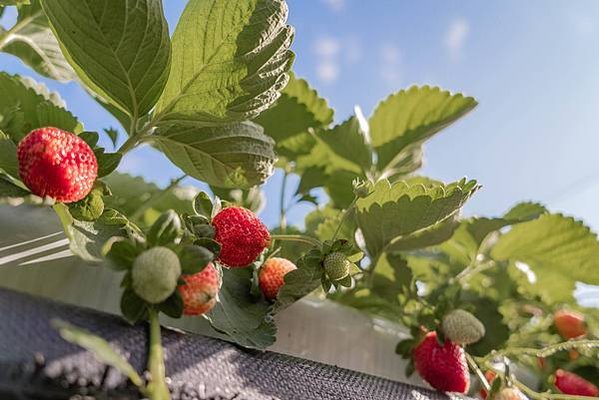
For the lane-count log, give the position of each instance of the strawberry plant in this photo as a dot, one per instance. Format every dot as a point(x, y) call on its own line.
point(481, 296)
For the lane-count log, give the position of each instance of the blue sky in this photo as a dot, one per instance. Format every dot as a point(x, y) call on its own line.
point(532, 65)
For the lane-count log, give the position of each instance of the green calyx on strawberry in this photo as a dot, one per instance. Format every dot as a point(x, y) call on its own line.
point(462, 327)
point(444, 367)
point(155, 273)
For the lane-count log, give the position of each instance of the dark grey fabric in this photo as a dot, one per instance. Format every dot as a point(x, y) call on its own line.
point(35, 363)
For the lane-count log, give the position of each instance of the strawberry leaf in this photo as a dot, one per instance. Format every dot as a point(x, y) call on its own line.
point(26, 105)
point(33, 42)
point(299, 109)
point(245, 40)
point(119, 50)
point(231, 156)
point(393, 211)
point(245, 319)
point(559, 250)
point(409, 117)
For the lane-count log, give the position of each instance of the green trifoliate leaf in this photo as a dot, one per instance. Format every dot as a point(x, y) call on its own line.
point(244, 318)
point(436, 234)
point(297, 110)
point(119, 49)
point(25, 106)
point(33, 42)
point(558, 249)
point(232, 156)
point(246, 41)
point(396, 210)
point(99, 347)
point(88, 239)
point(411, 116)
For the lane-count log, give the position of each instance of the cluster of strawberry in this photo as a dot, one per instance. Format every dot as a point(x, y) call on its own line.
point(60, 165)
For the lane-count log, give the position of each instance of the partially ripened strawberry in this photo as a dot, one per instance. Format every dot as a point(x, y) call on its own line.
point(200, 291)
point(241, 235)
point(443, 367)
point(570, 383)
point(57, 164)
point(570, 324)
point(272, 275)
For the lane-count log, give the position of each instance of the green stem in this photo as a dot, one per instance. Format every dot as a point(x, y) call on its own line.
point(479, 374)
point(157, 388)
point(282, 217)
point(344, 217)
point(156, 197)
point(298, 238)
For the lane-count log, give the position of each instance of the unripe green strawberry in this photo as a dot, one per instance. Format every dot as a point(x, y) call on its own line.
point(155, 273)
point(57, 164)
point(272, 276)
point(336, 265)
point(461, 327)
point(241, 235)
point(200, 291)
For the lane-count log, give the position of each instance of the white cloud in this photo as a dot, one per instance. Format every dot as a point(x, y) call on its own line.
point(456, 35)
point(335, 5)
point(327, 46)
point(390, 65)
point(327, 50)
point(327, 71)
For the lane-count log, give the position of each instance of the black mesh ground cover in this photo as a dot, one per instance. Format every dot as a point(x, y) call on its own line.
point(35, 363)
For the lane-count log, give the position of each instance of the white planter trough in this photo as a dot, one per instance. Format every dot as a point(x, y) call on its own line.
point(34, 258)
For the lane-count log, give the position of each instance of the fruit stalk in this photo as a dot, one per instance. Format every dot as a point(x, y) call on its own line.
point(298, 238)
point(157, 388)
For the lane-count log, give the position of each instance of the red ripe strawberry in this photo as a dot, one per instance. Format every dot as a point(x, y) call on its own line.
point(443, 367)
point(200, 291)
point(570, 383)
point(569, 324)
point(241, 235)
point(57, 164)
point(272, 275)
point(490, 377)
